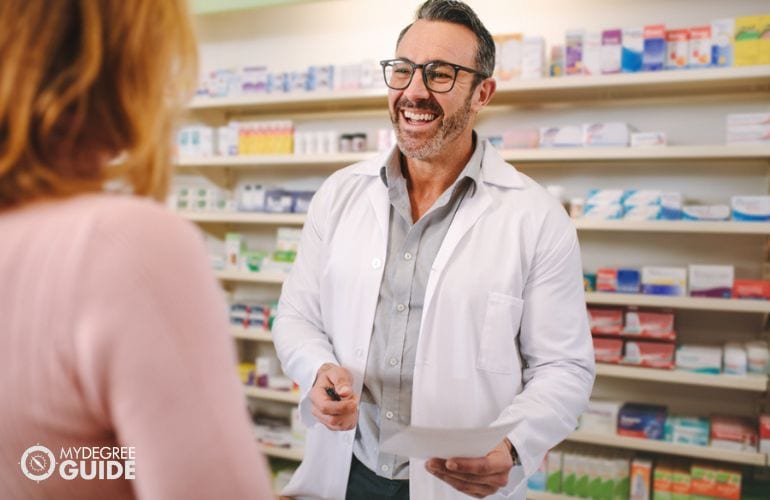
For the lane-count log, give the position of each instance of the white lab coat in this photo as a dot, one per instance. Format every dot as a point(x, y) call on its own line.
point(504, 333)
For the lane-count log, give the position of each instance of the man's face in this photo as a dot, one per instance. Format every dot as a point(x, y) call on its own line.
point(426, 122)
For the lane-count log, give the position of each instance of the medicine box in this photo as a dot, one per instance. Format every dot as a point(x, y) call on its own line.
point(654, 56)
point(649, 324)
point(632, 50)
point(643, 212)
point(649, 354)
point(612, 51)
point(664, 280)
point(680, 482)
point(605, 197)
point(509, 55)
point(711, 281)
point(671, 205)
point(606, 134)
point(687, 430)
point(641, 479)
point(561, 137)
point(735, 359)
point(234, 245)
point(699, 359)
point(641, 197)
point(533, 58)
point(592, 53)
point(700, 47)
point(764, 39)
point(677, 48)
point(751, 289)
point(608, 350)
point(747, 119)
point(600, 416)
point(722, 32)
point(617, 280)
point(734, 433)
point(647, 139)
point(641, 421)
point(751, 208)
point(536, 482)
point(748, 134)
point(764, 433)
point(706, 212)
point(574, 52)
point(553, 471)
point(605, 321)
point(662, 477)
point(603, 212)
point(747, 36)
point(711, 481)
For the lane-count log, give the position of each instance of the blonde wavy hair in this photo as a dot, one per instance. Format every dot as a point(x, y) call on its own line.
point(83, 82)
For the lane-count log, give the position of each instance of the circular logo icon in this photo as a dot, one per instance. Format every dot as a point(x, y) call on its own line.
point(38, 463)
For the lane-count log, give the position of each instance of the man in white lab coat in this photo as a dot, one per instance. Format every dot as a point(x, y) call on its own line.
point(434, 286)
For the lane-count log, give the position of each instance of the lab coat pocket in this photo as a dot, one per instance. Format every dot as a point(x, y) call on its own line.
point(497, 345)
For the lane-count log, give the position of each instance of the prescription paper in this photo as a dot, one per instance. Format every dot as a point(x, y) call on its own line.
point(430, 442)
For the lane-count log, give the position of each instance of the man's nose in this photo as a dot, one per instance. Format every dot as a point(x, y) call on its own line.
point(416, 89)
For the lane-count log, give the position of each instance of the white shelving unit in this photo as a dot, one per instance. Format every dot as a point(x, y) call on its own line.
point(544, 495)
point(328, 162)
point(287, 453)
point(253, 334)
point(704, 84)
point(245, 218)
point(264, 277)
point(737, 80)
point(271, 395)
point(657, 446)
point(700, 303)
point(756, 383)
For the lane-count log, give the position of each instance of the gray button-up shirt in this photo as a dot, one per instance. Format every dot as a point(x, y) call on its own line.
point(386, 400)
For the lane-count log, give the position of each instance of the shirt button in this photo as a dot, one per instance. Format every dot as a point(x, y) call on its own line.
point(359, 353)
point(389, 415)
point(376, 263)
point(400, 308)
point(393, 361)
point(407, 256)
point(384, 468)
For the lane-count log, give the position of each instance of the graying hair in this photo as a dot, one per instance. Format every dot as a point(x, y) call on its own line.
point(457, 12)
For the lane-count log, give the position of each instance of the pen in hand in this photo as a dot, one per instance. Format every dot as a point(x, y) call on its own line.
point(333, 394)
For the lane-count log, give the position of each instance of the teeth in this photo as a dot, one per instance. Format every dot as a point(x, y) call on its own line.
point(419, 116)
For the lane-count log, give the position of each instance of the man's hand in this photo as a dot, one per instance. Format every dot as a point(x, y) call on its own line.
point(339, 415)
point(477, 477)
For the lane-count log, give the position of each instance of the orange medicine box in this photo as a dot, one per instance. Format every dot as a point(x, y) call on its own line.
point(751, 289)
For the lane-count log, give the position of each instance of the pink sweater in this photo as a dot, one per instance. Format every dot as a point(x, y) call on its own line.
point(113, 332)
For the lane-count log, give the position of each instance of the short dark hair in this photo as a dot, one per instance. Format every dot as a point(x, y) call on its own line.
point(457, 12)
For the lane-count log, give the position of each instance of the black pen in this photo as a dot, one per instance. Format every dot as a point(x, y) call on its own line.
point(333, 394)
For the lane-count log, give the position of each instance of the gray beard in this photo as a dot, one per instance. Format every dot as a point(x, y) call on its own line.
point(450, 128)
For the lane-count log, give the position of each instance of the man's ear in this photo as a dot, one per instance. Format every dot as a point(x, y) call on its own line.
point(483, 93)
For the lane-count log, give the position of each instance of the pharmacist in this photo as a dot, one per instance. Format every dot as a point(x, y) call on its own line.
point(434, 286)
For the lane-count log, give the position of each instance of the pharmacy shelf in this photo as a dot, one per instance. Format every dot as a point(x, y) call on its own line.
point(520, 157)
point(255, 334)
point(657, 446)
point(321, 161)
point(287, 453)
point(756, 383)
point(269, 277)
point(685, 84)
point(689, 83)
point(271, 394)
point(631, 154)
point(296, 101)
point(709, 304)
point(545, 495)
point(674, 226)
point(245, 218)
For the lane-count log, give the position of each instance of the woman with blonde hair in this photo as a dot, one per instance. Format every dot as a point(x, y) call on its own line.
point(112, 326)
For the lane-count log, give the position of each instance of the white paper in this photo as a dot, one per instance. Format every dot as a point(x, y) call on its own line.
point(430, 442)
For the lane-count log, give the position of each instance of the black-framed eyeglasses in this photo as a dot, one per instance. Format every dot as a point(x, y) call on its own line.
point(438, 76)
